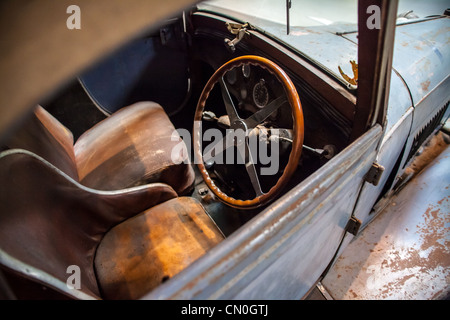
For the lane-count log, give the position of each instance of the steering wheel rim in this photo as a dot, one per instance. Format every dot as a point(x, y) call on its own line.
point(298, 130)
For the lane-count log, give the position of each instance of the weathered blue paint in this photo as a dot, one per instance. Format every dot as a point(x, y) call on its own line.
point(421, 54)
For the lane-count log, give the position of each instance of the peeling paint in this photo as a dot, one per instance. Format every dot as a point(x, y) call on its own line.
point(425, 85)
point(405, 252)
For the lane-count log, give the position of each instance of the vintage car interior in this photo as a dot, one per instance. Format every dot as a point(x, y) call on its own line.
point(127, 157)
point(94, 166)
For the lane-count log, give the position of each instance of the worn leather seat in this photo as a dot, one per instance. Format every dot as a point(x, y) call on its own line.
point(134, 146)
point(65, 205)
point(124, 242)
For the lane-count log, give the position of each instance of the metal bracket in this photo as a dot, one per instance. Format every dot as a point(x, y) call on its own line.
point(374, 174)
point(240, 30)
point(353, 225)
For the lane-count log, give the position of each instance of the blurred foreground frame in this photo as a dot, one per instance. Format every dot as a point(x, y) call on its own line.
point(39, 54)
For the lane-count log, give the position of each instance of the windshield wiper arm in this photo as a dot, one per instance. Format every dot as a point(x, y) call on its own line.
point(288, 7)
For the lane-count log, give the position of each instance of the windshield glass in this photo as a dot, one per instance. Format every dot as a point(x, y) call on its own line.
point(315, 26)
point(307, 13)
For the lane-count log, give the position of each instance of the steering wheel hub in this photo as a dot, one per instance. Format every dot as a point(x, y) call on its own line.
point(239, 124)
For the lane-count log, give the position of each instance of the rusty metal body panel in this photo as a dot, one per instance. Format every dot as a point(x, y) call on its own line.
point(421, 59)
point(404, 253)
point(425, 71)
point(280, 253)
point(410, 107)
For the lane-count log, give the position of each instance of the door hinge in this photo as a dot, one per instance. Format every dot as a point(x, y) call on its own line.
point(240, 30)
point(374, 174)
point(353, 225)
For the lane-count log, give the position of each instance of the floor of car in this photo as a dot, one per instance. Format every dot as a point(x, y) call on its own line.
point(228, 219)
point(403, 253)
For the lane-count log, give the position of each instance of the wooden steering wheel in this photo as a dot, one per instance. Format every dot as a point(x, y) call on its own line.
point(247, 125)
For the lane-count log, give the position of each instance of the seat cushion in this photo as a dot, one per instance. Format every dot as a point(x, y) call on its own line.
point(146, 250)
point(48, 221)
point(136, 145)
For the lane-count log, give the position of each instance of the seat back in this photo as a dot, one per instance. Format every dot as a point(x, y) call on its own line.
point(135, 146)
point(46, 137)
point(49, 222)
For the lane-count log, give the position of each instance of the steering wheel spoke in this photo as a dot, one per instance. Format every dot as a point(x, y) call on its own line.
point(246, 155)
point(218, 148)
point(228, 101)
point(261, 115)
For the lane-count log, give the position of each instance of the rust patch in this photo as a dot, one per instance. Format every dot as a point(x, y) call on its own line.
point(433, 230)
point(432, 233)
point(425, 85)
point(433, 149)
point(312, 31)
point(396, 285)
